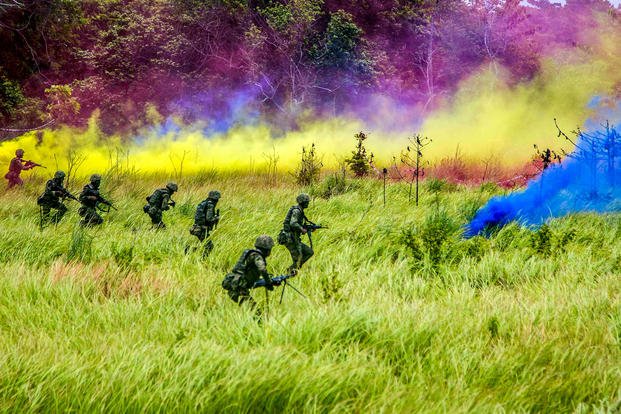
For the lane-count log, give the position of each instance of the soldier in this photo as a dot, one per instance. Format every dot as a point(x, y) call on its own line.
point(16, 167)
point(90, 198)
point(51, 199)
point(159, 201)
point(250, 267)
point(206, 219)
point(291, 234)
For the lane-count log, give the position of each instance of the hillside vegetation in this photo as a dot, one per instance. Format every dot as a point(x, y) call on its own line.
point(402, 313)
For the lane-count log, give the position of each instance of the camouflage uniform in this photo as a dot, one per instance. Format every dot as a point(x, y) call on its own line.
point(205, 219)
point(158, 202)
point(250, 267)
point(15, 169)
point(89, 197)
point(291, 234)
point(50, 199)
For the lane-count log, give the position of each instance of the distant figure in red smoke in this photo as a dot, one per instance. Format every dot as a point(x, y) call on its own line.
point(16, 167)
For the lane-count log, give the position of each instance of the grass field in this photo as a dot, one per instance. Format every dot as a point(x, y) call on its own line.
point(402, 314)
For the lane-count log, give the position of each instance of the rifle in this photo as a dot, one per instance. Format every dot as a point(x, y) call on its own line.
point(310, 228)
point(67, 194)
point(101, 200)
point(33, 164)
point(277, 281)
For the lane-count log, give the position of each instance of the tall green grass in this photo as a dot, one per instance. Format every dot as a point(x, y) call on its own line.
point(402, 314)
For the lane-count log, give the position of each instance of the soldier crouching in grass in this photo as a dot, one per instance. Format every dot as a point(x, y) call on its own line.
point(250, 268)
point(52, 199)
point(90, 197)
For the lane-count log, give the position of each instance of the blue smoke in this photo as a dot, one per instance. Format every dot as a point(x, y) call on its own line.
point(588, 180)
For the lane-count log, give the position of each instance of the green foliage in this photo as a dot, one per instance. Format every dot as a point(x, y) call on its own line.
point(340, 47)
point(331, 287)
point(278, 16)
point(123, 255)
point(546, 241)
point(433, 239)
point(493, 327)
point(293, 17)
point(359, 163)
point(81, 246)
point(186, 208)
point(143, 327)
point(62, 105)
point(11, 96)
point(541, 241)
point(309, 167)
point(333, 185)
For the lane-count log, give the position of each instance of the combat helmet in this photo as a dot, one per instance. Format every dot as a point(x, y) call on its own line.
point(214, 195)
point(95, 178)
point(303, 199)
point(172, 186)
point(19, 152)
point(59, 175)
point(264, 242)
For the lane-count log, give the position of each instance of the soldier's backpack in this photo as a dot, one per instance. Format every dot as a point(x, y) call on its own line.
point(285, 234)
point(229, 281)
point(199, 216)
point(156, 198)
point(283, 237)
point(232, 280)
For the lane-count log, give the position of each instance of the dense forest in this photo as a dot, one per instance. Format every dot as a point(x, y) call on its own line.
point(138, 61)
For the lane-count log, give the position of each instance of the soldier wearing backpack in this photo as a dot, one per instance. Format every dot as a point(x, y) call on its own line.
point(294, 226)
point(250, 267)
point(206, 219)
point(158, 202)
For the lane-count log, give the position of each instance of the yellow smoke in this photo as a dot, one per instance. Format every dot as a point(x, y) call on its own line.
point(243, 148)
point(488, 117)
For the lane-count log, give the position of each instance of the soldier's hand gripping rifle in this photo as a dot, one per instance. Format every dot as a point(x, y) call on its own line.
point(277, 281)
point(310, 227)
point(32, 164)
point(67, 194)
point(101, 200)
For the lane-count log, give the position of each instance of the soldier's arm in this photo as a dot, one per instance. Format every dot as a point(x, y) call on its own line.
point(165, 200)
point(86, 195)
point(296, 219)
point(93, 195)
point(19, 165)
point(49, 186)
point(210, 214)
point(259, 262)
